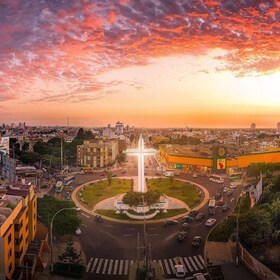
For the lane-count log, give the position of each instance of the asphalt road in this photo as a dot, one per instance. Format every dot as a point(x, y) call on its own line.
point(109, 246)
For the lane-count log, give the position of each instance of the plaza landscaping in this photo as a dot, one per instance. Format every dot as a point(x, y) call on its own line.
point(95, 192)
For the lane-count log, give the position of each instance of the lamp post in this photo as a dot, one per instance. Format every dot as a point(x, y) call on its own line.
point(51, 228)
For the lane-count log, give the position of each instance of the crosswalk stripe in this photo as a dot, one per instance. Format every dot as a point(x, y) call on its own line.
point(160, 263)
point(116, 267)
point(110, 267)
point(125, 267)
point(121, 267)
point(166, 266)
point(89, 264)
point(94, 265)
point(193, 263)
point(202, 260)
point(172, 266)
point(188, 264)
point(198, 262)
point(105, 266)
point(99, 266)
point(131, 262)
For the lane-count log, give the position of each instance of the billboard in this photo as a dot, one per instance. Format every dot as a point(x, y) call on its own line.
point(4, 145)
point(221, 163)
point(258, 190)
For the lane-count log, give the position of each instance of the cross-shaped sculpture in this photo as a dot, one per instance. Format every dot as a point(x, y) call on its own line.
point(141, 152)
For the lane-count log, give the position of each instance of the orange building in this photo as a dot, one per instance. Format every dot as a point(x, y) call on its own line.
point(217, 160)
point(18, 225)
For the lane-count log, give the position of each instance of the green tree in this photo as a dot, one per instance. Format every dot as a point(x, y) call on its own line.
point(109, 177)
point(70, 254)
point(41, 148)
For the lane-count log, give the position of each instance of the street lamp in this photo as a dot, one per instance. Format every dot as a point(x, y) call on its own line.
point(51, 228)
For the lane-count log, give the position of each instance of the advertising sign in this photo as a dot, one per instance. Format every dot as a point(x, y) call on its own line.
point(4, 145)
point(221, 163)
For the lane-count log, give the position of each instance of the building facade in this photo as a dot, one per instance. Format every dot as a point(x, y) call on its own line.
point(18, 225)
point(97, 154)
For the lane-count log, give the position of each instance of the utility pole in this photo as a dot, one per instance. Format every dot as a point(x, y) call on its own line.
point(61, 154)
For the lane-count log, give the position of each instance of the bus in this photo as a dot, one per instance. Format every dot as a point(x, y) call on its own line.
point(58, 187)
point(211, 206)
point(217, 178)
point(235, 176)
point(69, 180)
point(169, 173)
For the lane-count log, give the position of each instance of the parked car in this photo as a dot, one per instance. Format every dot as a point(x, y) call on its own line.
point(78, 231)
point(232, 186)
point(71, 188)
point(225, 189)
point(182, 236)
point(168, 223)
point(199, 276)
point(196, 241)
point(180, 271)
point(199, 216)
point(224, 207)
point(210, 222)
point(194, 175)
point(187, 219)
point(221, 202)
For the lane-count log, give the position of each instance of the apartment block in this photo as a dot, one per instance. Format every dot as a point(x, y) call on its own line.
point(18, 225)
point(97, 154)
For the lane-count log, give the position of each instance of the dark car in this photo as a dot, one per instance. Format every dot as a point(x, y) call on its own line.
point(185, 226)
point(45, 186)
point(229, 193)
point(187, 219)
point(196, 241)
point(199, 216)
point(168, 223)
point(193, 213)
point(123, 172)
point(182, 236)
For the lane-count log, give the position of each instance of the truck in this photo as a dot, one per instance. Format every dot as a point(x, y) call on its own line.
point(211, 206)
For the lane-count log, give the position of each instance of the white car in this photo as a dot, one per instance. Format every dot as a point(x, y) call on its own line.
point(194, 176)
point(180, 271)
point(225, 189)
point(232, 186)
point(210, 222)
point(78, 231)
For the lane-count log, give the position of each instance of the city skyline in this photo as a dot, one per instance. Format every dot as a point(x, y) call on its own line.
point(146, 63)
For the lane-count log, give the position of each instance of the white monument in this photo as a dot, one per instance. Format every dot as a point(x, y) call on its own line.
point(141, 152)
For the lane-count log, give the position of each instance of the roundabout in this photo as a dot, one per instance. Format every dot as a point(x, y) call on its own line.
point(187, 196)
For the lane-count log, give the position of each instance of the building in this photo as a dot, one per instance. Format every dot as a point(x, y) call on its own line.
point(119, 128)
point(18, 226)
point(278, 127)
point(97, 154)
point(253, 126)
point(212, 158)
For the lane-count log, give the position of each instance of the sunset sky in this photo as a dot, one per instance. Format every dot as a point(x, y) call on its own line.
point(148, 63)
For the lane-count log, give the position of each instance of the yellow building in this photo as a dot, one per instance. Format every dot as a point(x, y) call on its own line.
point(214, 159)
point(18, 225)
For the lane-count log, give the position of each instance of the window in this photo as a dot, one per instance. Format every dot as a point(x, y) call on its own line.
point(9, 238)
point(10, 253)
point(26, 228)
point(10, 267)
point(26, 215)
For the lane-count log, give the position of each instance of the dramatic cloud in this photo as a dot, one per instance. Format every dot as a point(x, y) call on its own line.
point(70, 43)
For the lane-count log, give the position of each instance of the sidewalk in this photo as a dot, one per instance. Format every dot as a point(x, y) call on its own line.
point(58, 248)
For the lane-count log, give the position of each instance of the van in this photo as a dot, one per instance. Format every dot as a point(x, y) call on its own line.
point(180, 271)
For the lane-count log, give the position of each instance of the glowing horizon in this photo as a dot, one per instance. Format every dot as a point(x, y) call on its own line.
point(145, 63)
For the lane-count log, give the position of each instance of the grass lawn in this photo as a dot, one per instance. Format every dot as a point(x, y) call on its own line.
point(170, 213)
point(98, 191)
point(184, 191)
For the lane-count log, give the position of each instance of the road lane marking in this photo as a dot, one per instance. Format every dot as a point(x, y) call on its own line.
point(109, 226)
point(127, 235)
point(116, 267)
point(166, 266)
point(198, 262)
point(121, 267)
point(84, 225)
point(193, 263)
point(202, 260)
point(153, 234)
point(99, 266)
point(85, 215)
point(110, 266)
point(89, 264)
point(105, 266)
point(172, 265)
point(126, 267)
point(188, 264)
point(94, 265)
